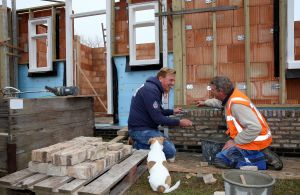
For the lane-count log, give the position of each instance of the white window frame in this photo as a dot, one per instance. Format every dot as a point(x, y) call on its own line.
point(133, 25)
point(291, 62)
point(32, 40)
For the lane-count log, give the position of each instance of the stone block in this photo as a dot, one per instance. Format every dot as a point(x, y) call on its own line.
point(115, 146)
point(84, 170)
point(38, 167)
point(55, 170)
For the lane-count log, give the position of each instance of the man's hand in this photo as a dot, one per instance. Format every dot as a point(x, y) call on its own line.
point(185, 123)
point(229, 144)
point(177, 110)
point(200, 103)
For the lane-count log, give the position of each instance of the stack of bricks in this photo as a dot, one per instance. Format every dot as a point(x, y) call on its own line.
point(81, 157)
point(284, 124)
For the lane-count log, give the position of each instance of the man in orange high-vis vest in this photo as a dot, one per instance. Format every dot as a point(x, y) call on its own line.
point(249, 132)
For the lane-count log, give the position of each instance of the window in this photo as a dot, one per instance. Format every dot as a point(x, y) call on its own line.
point(143, 34)
point(292, 16)
point(40, 44)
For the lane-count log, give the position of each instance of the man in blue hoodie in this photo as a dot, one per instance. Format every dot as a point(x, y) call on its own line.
point(146, 112)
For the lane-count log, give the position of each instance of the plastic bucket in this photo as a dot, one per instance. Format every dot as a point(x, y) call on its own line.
point(256, 183)
point(211, 146)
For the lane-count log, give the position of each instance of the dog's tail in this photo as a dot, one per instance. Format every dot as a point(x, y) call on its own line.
point(174, 187)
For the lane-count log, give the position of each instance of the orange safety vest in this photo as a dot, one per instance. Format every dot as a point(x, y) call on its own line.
point(234, 127)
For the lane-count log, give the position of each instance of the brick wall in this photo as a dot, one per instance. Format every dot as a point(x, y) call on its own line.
point(93, 64)
point(284, 124)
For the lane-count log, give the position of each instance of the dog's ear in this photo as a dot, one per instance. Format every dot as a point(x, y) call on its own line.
point(150, 164)
point(161, 140)
point(168, 180)
point(151, 140)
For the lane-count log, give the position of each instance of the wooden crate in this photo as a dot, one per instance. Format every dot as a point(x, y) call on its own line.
point(42, 122)
point(114, 180)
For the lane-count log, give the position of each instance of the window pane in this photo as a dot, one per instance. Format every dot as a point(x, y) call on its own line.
point(144, 15)
point(145, 35)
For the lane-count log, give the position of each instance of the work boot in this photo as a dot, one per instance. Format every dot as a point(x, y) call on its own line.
point(171, 160)
point(220, 164)
point(272, 159)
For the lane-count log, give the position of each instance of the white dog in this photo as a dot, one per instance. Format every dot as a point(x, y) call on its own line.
point(159, 179)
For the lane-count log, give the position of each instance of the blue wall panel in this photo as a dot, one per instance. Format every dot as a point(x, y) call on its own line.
point(128, 82)
point(38, 83)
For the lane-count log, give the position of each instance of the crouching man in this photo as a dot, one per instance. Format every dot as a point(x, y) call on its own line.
point(249, 132)
point(146, 112)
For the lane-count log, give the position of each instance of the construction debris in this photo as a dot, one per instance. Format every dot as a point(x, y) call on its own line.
point(209, 179)
point(249, 168)
point(219, 193)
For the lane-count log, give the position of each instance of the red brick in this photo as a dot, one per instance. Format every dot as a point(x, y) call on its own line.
point(190, 40)
point(207, 55)
point(265, 34)
point(254, 15)
point(266, 14)
point(200, 20)
point(222, 54)
point(238, 17)
point(200, 37)
point(224, 18)
point(224, 36)
point(235, 71)
point(239, 3)
point(262, 52)
point(194, 56)
point(236, 53)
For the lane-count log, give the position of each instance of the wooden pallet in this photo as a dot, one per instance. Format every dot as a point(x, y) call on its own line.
point(114, 180)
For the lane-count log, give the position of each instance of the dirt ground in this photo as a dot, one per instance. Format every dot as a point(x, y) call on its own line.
point(191, 163)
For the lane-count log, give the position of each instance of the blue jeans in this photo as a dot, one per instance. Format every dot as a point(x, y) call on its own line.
point(141, 139)
point(235, 157)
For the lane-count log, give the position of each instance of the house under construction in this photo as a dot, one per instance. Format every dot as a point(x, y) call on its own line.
point(256, 43)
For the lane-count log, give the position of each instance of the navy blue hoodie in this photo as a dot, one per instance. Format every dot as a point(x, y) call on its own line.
point(146, 112)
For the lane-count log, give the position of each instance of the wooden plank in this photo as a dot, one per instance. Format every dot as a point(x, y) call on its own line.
point(51, 183)
point(247, 48)
point(129, 180)
point(215, 37)
point(178, 52)
point(29, 181)
point(40, 105)
point(15, 177)
point(282, 47)
point(103, 184)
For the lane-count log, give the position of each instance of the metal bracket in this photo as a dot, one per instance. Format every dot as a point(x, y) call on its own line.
point(189, 86)
point(210, 38)
point(275, 86)
point(188, 27)
point(241, 37)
